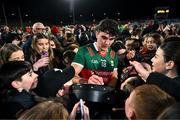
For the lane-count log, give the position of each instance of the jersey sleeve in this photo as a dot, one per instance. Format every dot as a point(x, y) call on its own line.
point(79, 57)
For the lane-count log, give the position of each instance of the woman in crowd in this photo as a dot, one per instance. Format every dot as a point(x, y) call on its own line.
point(41, 54)
point(54, 43)
point(10, 52)
point(53, 109)
point(165, 67)
point(150, 44)
point(46, 110)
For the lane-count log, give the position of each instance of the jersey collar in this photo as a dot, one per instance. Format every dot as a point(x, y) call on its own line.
point(95, 46)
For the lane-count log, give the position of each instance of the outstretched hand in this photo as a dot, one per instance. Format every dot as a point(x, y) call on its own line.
point(143, 69)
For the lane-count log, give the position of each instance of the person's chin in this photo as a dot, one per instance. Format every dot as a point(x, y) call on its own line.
point(153, 70)
point(34, 85)
point(151, 48)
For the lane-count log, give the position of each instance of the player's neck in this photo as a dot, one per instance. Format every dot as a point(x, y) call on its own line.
point(101, 50)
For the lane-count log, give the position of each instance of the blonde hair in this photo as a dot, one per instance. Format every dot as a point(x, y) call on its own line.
point(34, 49)
point(51, 109)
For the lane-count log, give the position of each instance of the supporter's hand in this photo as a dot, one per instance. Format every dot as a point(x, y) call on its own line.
point(16, 42)
point(146, 66)
point(63, 91)
point(95, 79)
point(76, 109)
point(142, 70)
point(129, 68)
point(124, 83)
point(41, 62)
point(130, 54)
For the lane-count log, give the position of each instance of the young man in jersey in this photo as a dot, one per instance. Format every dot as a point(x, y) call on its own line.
point(96, 63)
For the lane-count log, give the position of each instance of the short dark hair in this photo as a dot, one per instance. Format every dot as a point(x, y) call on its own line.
point(171, 51)
point(13, 70)
point(109, 26)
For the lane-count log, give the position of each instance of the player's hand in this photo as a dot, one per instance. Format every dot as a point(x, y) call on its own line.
point(95, 79)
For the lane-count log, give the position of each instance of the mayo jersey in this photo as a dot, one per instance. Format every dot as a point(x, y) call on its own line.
point(93, 62)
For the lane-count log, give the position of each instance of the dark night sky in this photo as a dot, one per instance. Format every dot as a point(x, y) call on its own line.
point(54, 11)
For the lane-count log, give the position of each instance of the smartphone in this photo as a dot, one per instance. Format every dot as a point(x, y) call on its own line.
point(44, 54)
point(82, 108)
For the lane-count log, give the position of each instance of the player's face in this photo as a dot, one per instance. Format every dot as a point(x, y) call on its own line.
point(104, 40)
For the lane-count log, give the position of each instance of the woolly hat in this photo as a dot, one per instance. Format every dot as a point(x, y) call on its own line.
point(53, 80)
point(55, 29)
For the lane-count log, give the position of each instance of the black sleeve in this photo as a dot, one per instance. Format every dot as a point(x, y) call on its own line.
point(167, 84)
point(11, 110)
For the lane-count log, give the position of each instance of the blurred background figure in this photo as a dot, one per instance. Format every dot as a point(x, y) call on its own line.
point(10, 52)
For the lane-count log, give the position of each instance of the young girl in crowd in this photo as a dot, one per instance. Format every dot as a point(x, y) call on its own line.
point(10, 52)
point(150, 44)
point(41, 54)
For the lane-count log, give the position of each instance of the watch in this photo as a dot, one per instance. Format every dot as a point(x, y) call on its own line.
point(35, 68)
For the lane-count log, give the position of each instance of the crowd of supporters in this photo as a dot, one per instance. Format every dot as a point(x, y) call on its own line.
point(45, 48)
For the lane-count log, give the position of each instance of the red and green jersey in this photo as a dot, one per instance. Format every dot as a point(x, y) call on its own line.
point(94, 63)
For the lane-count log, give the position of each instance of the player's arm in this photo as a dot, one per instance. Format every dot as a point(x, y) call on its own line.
point(77, 78)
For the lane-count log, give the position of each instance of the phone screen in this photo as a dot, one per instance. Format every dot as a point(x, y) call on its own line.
point(44, 54)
